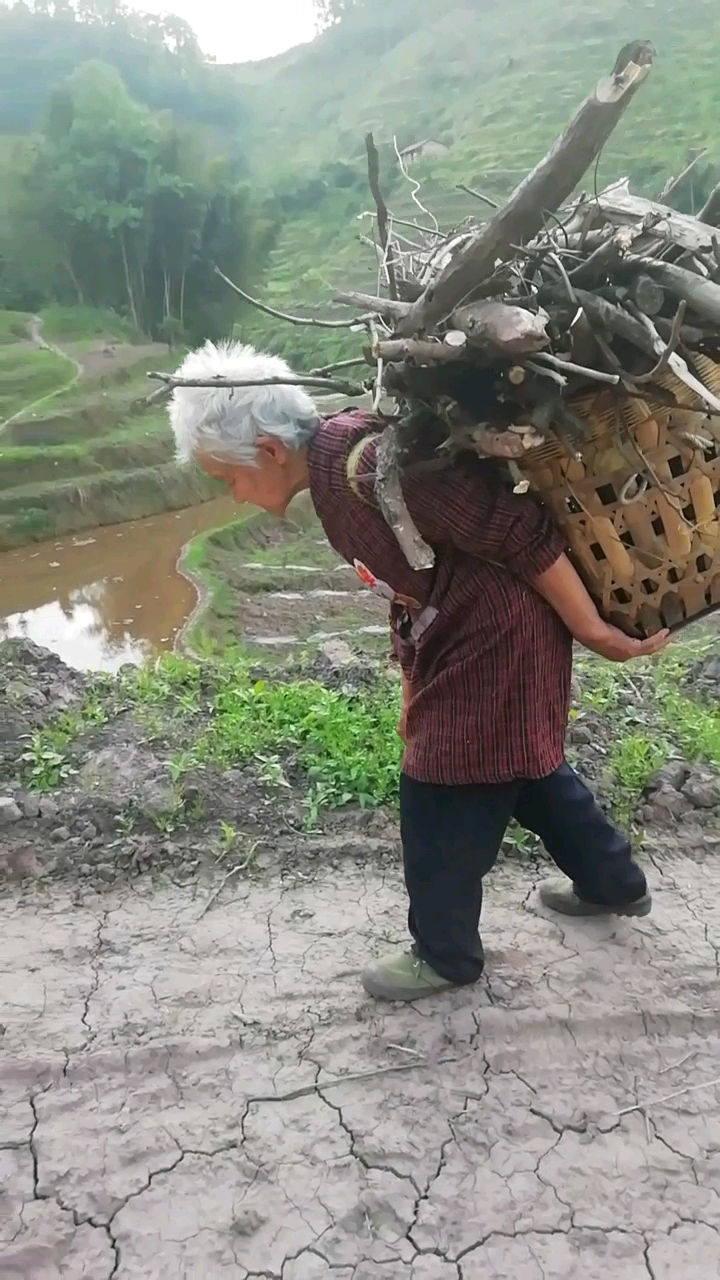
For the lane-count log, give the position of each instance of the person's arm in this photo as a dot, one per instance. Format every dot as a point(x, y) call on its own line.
point(563, 589)
point(456, 509)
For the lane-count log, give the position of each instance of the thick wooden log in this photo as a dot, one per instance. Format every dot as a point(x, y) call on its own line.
point(621, 208)
point(501, 329)
point(700, 294)
point(544, 190)
point(417, 350)
point(648, 295)
point(614, 320)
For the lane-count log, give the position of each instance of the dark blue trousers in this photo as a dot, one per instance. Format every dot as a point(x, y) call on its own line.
point(451, 838)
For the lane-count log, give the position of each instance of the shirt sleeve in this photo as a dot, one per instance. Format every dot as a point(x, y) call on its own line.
point(454, 508)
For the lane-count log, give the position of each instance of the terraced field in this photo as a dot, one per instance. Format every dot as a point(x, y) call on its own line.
point(85, 450)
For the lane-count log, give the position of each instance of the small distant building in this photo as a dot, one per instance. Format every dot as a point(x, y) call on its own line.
point(428, 149)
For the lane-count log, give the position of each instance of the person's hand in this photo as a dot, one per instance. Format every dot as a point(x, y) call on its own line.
point(401, 726)
point(612, 643)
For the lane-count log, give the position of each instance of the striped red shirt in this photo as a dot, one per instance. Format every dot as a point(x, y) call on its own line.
point(491, 674)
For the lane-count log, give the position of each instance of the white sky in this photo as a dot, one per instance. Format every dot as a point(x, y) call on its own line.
point(241, 30)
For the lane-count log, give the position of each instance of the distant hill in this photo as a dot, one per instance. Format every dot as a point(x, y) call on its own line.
point(494, 83)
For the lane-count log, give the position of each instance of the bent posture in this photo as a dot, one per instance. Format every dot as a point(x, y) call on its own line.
point(484, 641)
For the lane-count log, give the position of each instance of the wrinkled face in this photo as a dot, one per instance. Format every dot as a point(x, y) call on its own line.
point(280, 473)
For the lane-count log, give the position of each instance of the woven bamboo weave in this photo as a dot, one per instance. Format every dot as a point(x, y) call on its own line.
point(641, 507)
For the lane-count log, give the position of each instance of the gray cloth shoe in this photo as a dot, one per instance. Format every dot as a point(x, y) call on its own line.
point(559, 895)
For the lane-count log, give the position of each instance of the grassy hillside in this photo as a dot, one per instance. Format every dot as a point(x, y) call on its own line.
point(496, 84)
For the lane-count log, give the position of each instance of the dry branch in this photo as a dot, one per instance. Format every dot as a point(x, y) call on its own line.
point(568, 366)
point(382, 212)
point(462, 186)
point(550, 183)
point(710, 212)
point(672, 185)
point(392, 503)
point(390, 308)
point(172, 380)
point(283, 315)
point(327, 369)
point(648, 295)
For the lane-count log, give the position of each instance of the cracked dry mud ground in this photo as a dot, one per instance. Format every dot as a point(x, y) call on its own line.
point(170, 1102)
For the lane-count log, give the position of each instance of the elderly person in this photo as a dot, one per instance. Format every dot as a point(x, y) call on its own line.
point(484, 642)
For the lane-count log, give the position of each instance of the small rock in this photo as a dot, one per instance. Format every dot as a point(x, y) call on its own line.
point(130, 776)
point(338, 653)
point(666, 805)
point(60, 835)
point(581, 736)
point(19, 691)
point(48, 809)
point(9, 811)
point(702, 788)
point(22, 863)
point(89, 832)
point(62, 694)
point(30, 806)
point(674, 774)
point(247, 1222)
point(85, 869)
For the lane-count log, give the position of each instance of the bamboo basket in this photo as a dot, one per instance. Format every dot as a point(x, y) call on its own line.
point(641, 507)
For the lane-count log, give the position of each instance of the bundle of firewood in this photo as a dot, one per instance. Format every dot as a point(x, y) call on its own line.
point(577, 338)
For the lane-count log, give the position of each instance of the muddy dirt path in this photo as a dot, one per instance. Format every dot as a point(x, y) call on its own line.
point(174, 1102)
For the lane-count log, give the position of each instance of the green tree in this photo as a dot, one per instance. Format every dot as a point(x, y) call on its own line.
point(137, 209)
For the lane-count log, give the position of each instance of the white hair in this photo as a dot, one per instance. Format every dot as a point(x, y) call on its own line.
point(226, 423)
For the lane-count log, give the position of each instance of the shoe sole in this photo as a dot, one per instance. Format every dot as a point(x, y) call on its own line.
point(379, 991)
point(632, 909)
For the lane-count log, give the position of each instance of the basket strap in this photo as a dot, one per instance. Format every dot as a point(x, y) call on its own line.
point(352, 464)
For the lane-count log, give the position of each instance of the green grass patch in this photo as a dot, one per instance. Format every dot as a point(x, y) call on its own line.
point(345, 744)
point(89, 407)
point(694, 726)
point(28, 375)
point(73, 324)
